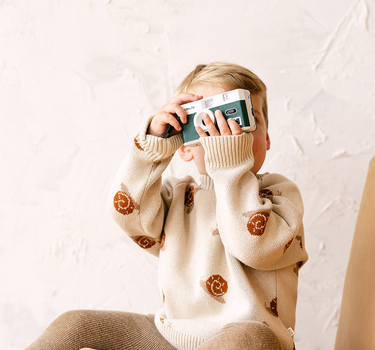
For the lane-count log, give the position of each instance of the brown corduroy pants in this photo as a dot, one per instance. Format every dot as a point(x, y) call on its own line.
point(116, 330)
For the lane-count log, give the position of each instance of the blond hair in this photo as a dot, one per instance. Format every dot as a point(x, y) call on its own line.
point(227, 75)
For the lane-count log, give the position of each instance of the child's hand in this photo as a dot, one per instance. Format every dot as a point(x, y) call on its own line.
point(165, 116)
point(224, 127)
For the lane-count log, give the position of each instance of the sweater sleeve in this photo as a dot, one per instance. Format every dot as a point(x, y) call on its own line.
point(259, 217)
point(137, 200)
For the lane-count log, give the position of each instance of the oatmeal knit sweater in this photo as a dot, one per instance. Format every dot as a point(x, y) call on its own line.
point(230, 247)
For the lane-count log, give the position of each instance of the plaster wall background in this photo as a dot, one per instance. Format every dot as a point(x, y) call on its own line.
point(76, 80)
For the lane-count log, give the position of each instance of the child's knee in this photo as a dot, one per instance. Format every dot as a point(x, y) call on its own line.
point(73, 319)
point(246, 336)
point(256, 333)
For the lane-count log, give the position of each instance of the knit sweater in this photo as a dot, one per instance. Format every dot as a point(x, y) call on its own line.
point(229, 248)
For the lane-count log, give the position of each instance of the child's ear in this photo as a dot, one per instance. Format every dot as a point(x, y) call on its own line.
point(185, 153)
point(268, 141)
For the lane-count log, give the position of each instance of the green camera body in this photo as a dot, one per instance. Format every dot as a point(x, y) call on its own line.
point(235, 104)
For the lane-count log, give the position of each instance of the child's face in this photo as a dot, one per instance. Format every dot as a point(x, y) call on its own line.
point(261, 142)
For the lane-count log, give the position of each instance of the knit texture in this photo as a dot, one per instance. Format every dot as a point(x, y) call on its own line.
point(230, 247)
point(244, 336)
point(101, 330)
point(116, 330)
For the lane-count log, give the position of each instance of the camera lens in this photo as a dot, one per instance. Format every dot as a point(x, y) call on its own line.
point(198, 118)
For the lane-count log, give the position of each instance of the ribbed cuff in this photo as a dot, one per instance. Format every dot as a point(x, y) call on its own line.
point(155, 147)
point(226, 151)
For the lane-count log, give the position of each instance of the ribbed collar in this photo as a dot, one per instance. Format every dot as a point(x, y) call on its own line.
point(206, 182)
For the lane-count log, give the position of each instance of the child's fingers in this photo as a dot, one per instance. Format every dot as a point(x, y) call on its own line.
point(173, 108)
point(234, 127)
point(167, 115)
point(222, 123)
point(211, 127)
point(224, 126)
point(200, 132)
point(185, 98)
point(170, 119)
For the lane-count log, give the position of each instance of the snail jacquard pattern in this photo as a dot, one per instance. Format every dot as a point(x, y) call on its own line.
point(216, 287)
point(257, 222)
point(123, 202)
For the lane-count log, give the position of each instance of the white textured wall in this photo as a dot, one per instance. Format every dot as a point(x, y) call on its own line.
point(77, 78)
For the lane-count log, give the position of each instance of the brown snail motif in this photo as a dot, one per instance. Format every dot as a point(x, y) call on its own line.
point(216, 287)
point(144, 242)
point(257, 222)
point(123, 202)
point(189, 198)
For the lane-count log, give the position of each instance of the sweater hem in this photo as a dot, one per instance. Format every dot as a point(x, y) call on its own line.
point(179, 340)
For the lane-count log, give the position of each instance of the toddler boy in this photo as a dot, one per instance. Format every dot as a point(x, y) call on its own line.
point(230, 245)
